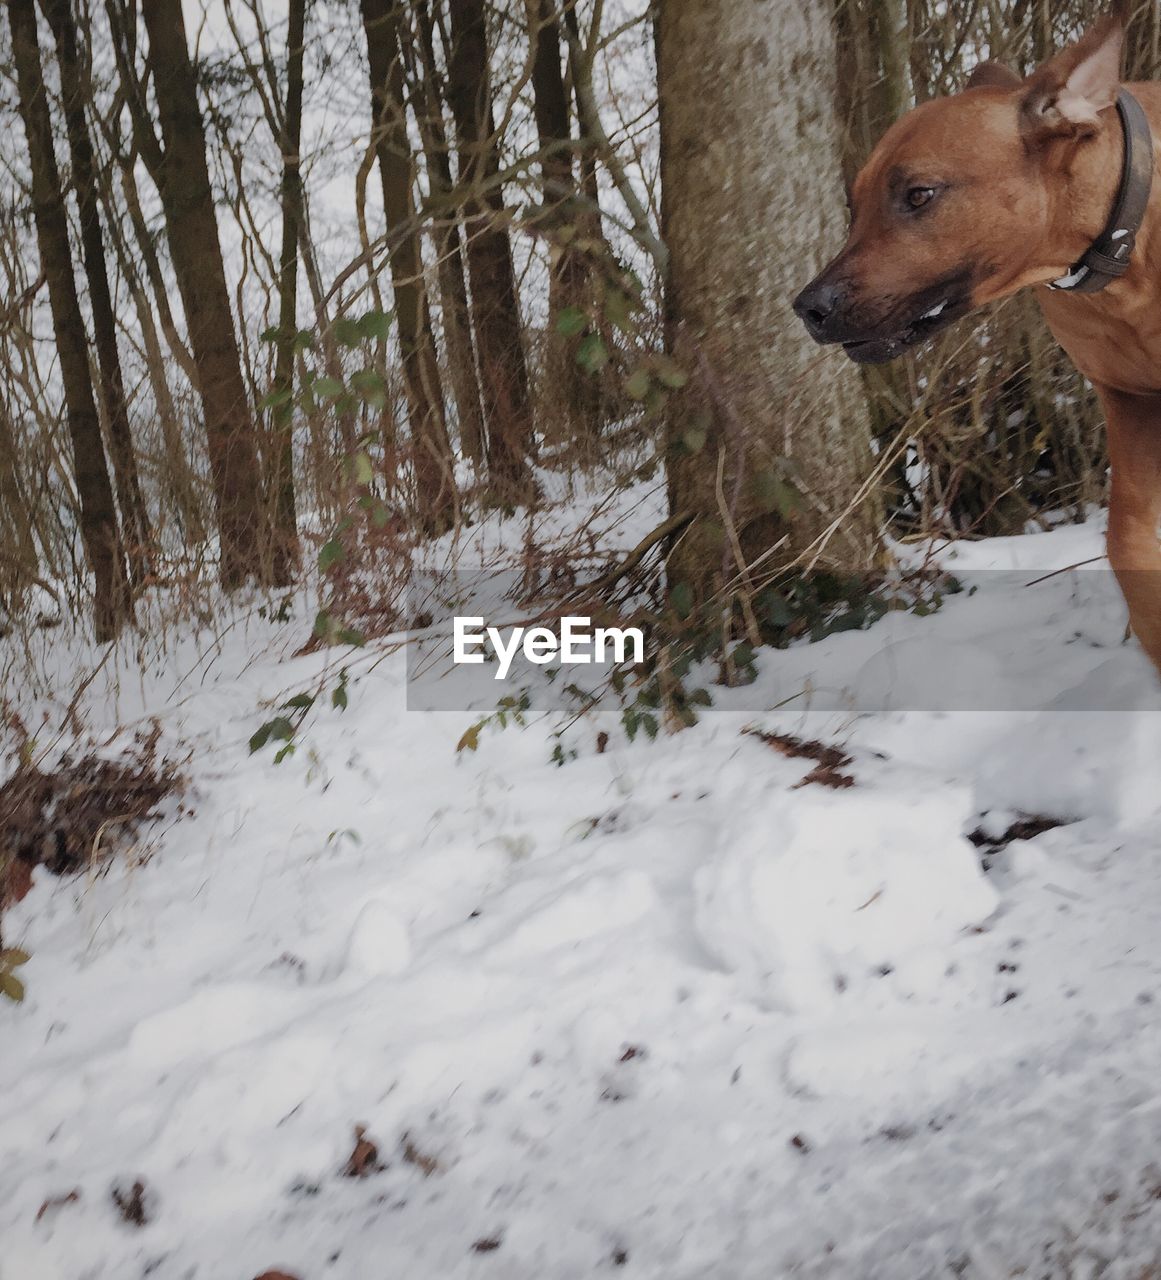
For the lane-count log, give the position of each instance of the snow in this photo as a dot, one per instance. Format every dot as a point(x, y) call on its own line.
point(665, 1011)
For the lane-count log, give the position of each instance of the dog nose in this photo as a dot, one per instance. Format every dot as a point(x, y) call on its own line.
point(815, 306)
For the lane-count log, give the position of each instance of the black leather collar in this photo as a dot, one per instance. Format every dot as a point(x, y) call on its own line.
point(1107, 258)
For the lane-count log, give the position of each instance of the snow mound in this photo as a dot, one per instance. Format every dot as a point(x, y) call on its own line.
point(380, 942)
point(927, 673)
point(817, 891)
point(1082, 758)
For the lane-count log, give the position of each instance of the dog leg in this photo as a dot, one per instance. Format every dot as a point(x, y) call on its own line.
point(1134, 424)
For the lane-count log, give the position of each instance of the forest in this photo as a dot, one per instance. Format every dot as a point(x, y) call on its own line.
point(287, 293)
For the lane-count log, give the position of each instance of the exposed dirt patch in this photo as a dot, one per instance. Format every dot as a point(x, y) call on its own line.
point(87, 808)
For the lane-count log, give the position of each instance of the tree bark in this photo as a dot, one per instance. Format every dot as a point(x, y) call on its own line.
point(280, 484)
point(135, 524)
point(98, 517)
point(430, 448)
point(749, 205)
point(187, 199)
point(495, 305)
point(564, 221)
point(457, 325)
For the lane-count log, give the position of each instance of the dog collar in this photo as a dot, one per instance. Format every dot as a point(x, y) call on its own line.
point(1107, 258)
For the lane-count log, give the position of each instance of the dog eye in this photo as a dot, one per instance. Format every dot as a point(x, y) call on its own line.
point(917, 197)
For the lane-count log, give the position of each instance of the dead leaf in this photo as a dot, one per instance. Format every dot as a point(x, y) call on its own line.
point(132, 1204)
point(58, 1202)
point(364, 1159)
point(412, 1155)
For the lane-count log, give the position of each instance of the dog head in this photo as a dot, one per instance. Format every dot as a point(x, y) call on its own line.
point(963, 202)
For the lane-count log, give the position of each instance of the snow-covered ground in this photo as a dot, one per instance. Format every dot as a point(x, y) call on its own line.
point(661, 1012)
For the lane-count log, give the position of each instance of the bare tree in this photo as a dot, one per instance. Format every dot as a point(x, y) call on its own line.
point(430, 448)
point(98, 516)
point(75, 87)
point(178, 166)
point(565, 219)
point(495, 305)
point(419, 52)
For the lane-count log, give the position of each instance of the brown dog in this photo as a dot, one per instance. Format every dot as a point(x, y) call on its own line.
point(968, 199)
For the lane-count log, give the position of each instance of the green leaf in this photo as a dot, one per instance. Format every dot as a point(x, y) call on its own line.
point(12, 987)
point(681, 597)
point(281, 730)
point(260, 737)
point(370, 386)
point(304, 340)
point(571, 321)
point(13, 958)
point(670, 374)
point(283, 752)
point(361, 468)
point(700, 698)
point(592, 355)
point(300, 702)
point(330, 553)
point(322, 624)
point(375, 324)
point(275, 398)
point(694, 438)
point(272, 334)
point(637, 384)
point(470, 741)
point(651, 725)
point(339, 697)
point(352, 636)
point(326, 387)
point(619, 308)
point(348, 332)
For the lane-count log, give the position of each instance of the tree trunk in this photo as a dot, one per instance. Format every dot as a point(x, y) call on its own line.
point(457, 325)
point(563, 221)
point(74, 81)
point(280, 484)
point(495, 306)
point(431, 451)
point(750, 206)
point(588, 159)
point(184, 183)
point(98, 517)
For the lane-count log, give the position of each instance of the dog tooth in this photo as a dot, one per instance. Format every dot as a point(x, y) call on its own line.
point(930, 315)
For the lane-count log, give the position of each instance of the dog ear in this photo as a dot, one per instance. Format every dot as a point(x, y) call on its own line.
point(1064, 97)
point(993, 75)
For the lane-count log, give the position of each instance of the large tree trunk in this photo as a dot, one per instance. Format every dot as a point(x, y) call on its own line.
point(431, 451)
point(752, 203)
point(98, 517)
point(75, 83)
point(457, 325)
point(281, 480)
point(187, 199)
point(564, 221)
point(495, 306)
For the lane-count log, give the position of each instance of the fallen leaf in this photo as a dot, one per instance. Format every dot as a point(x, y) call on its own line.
point(364, 1159)
point(58, 1202)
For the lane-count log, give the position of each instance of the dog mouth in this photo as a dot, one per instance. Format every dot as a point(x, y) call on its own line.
point(881, 348)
